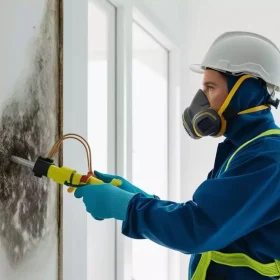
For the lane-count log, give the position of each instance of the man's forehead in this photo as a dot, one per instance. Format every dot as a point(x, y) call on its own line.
point(211, 77)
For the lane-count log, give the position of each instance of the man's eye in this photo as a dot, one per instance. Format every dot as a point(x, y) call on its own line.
point(210, 88)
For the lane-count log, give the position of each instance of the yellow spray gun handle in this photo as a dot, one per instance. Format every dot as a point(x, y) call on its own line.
point(95, 181)
point(62, 175)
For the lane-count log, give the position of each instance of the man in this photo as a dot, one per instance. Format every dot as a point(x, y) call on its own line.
point(232, 225)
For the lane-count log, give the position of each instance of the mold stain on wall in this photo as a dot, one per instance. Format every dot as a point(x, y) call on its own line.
point(28, 129)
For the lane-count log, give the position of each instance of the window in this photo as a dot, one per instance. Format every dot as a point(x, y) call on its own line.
point(139, 133)
point(150, 141)
point(101, 127)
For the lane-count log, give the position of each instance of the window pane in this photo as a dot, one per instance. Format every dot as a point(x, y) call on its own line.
point(150, 142)
point(101, 91)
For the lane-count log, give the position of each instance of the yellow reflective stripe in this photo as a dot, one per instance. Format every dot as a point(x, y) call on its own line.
point(266, 133)
point(201, 269)
point(234, 260)
point(242, 260)
point(277, 263)
point(254, 109)
point(232, 92)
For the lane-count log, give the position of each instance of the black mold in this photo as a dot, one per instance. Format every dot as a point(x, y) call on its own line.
point(28, 128)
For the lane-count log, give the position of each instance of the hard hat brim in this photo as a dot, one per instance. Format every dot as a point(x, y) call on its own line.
point(197, 68)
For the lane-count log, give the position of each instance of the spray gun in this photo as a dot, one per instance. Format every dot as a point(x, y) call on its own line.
point(44, 166)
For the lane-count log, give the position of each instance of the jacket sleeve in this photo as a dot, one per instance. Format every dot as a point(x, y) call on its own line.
point(222, 210)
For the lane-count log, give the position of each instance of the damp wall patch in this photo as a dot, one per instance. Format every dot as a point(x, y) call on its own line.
point(28, 128)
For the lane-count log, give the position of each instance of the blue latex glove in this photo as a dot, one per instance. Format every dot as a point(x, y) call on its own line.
point(126, 186)
point(105, 201)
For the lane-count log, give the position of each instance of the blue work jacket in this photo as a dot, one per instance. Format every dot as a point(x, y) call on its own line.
point(236, 211)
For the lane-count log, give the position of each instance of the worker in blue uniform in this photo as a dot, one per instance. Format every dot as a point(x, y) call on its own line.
point(232, 225)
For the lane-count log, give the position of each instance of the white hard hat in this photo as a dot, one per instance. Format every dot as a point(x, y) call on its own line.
point(243, 53)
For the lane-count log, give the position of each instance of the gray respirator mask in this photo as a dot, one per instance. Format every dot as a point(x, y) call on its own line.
point(199, 119)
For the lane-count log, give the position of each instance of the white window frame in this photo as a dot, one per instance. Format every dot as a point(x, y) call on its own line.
point(100, 241)
point(75, 245)
point(127, 12)
point(75, 65)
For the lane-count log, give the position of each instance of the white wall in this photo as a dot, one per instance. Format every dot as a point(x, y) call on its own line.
point(172, 15)
point(206, 20)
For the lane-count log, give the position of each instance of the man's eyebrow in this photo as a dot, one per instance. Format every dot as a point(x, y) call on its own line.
point(209, 84)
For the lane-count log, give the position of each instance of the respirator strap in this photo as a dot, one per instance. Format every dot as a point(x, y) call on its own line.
point(254, 109)
point(231, 113)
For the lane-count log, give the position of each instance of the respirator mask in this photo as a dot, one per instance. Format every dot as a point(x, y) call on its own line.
point(200, 120)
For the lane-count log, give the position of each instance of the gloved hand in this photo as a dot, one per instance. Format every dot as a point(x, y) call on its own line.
point(126, 186)
point(105, 201)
